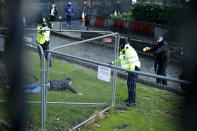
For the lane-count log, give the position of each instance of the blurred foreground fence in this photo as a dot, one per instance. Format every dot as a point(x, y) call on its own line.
point(34, 73)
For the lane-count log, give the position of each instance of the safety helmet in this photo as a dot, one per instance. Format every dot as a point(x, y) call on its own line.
point(44, 23)
point(69, 3)
point(123, 42)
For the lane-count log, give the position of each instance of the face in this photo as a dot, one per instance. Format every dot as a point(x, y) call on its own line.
point(70, 83)
point(160, 39)
point(53, 6)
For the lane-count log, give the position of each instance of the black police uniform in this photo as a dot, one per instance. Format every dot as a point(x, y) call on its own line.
point(161, 59)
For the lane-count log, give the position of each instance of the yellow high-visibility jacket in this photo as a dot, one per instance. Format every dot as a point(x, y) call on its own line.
point(42, 36)
point(128, 58)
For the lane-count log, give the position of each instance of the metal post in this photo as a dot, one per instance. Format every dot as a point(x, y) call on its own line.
point(46, 81)
point(115, 70)
point(43, 101)
point(48, 63)
point(60, 25)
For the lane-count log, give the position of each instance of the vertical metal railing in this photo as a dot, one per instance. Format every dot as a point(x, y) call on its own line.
point(116, 53)
point(43, 89)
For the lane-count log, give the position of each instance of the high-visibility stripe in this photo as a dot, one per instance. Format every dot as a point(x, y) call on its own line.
point(128, 58)
point(127, 63)
point(42, 37)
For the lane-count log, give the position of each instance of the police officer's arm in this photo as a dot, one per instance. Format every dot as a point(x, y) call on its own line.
point(152, 49)
point(160, 49)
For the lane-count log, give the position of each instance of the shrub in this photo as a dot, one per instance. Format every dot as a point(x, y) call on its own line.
point(123, 16)
point(159, 13)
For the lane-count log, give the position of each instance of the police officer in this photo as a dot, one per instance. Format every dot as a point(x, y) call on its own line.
point(43, 36)
point(160, 50)
point(129, 60)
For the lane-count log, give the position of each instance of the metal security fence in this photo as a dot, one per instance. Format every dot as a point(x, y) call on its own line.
point(100, 46)
point(71, 108)
point(61, 109)
point(97, 94)
point(92, 94)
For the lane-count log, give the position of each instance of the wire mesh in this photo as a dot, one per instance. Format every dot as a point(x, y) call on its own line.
point(149, 99)
point(71, 108)
point(100, 49)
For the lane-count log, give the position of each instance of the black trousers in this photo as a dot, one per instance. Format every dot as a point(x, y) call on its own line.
point(52, 18)
point(45, 47)
point(162, 71)
point(69, 20)
point(131, 84)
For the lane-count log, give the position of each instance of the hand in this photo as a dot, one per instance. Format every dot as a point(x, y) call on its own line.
point(146, 49)
point(81, 94)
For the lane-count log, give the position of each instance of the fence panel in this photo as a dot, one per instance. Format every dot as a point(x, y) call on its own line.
point(151, 102)
point(100, 47)
point(67, 108)
point(73, 102)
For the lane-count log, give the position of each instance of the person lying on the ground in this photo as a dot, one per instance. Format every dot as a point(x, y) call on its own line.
point(52, 85)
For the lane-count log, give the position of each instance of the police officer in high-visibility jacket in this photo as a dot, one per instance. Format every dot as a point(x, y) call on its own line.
point(43, 36)
point(129, 60)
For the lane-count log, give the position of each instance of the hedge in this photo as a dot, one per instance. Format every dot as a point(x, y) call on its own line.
point(123, 16)
point(159, 13)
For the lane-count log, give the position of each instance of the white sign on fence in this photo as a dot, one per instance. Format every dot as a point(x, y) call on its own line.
point(104, 73)
point(2, 44)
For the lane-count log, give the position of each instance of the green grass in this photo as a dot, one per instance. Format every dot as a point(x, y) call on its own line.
point(149, 114)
